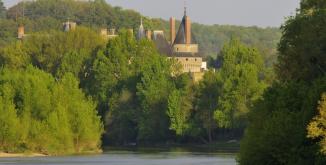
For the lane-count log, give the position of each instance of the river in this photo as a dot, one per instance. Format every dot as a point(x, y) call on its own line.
point(128, 158)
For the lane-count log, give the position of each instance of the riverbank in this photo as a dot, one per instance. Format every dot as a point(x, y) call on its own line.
point(14, 155)
point(215, 147)
point(28, 154)
point(227, 147)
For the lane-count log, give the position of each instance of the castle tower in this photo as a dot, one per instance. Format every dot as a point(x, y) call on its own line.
point(172, 29)
point(183, 42)
point(185, 50)
point(187, 27)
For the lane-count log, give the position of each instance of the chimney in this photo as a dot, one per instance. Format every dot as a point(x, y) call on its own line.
point(172, 29)
point(73, 25)
point(149, 34)
point(188, 30)
point(112, 31)
point(21, 32)
point(104, 32)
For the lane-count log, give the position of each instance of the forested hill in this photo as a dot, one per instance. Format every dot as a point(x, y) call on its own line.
point(49, 14)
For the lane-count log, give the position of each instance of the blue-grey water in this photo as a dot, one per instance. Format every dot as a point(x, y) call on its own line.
point(128, 158)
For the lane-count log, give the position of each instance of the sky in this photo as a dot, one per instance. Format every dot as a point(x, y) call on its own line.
point(262, 13)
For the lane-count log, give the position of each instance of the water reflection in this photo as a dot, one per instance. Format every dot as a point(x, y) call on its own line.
point(129, 158)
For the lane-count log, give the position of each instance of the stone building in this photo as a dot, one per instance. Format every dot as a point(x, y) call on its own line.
point(185, 49)
point(68, 26)
point(108, 34)
point(181, 47)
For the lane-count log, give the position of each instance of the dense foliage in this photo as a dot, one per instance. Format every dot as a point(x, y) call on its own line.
point(277, 131)
point(137, 96)
point(49, 14)
point(40, 114)
point(140, 95)
point(316, 128)
point(3, 10)
point(53, 51)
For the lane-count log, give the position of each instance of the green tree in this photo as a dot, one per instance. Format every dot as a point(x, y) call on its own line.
point(179, 111)
point(241, 74)
point(153, 91)
point(40, 114)
point(282, 114)
point(86, 126)
point(7, 32)
point(54, 52)
point(9, 130)
point(207, 102)
point(301, 52)
point(3, 10)
point(290, 104)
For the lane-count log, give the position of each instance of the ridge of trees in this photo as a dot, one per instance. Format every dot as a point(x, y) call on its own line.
point(43, 15)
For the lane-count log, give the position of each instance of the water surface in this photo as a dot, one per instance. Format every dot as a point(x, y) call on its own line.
point(128, 158)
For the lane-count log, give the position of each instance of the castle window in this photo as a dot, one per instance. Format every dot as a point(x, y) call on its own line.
point(186, 59)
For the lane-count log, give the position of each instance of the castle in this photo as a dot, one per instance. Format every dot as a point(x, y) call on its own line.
point(181, 47)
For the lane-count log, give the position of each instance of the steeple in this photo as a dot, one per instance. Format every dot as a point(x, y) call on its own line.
point(185, 8)
point(184, 34)
point(141, 23)
point(141, 30)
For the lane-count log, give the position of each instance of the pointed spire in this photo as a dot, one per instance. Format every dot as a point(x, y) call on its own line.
point(141, 30)
point(141, 21)
point(185, 7)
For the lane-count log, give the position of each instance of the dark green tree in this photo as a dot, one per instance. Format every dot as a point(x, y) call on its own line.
point(277, 130)
point(3, 10)
point(207, 102)
point(242, 85)
point(302, 52)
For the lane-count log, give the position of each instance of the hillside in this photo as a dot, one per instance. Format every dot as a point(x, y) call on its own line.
point(49, 14)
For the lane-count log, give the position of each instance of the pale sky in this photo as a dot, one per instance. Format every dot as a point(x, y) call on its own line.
point(261, 13)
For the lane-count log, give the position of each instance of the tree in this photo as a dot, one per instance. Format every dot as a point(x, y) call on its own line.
point(40, 114)
point(276, 133)
point(289, 104)
point(241, 74)
point(9, 130)
point(3, 10)
point(207, 102)
point(179, 111)
point(86, 126)
point(153, 91)
point(7, 32)
point(316, 128)
point(302, 52)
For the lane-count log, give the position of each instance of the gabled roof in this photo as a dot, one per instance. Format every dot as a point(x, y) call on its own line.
point(162, 45)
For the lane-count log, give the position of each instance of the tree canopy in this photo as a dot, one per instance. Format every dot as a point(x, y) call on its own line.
point(43, 115)
point(277, 130)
